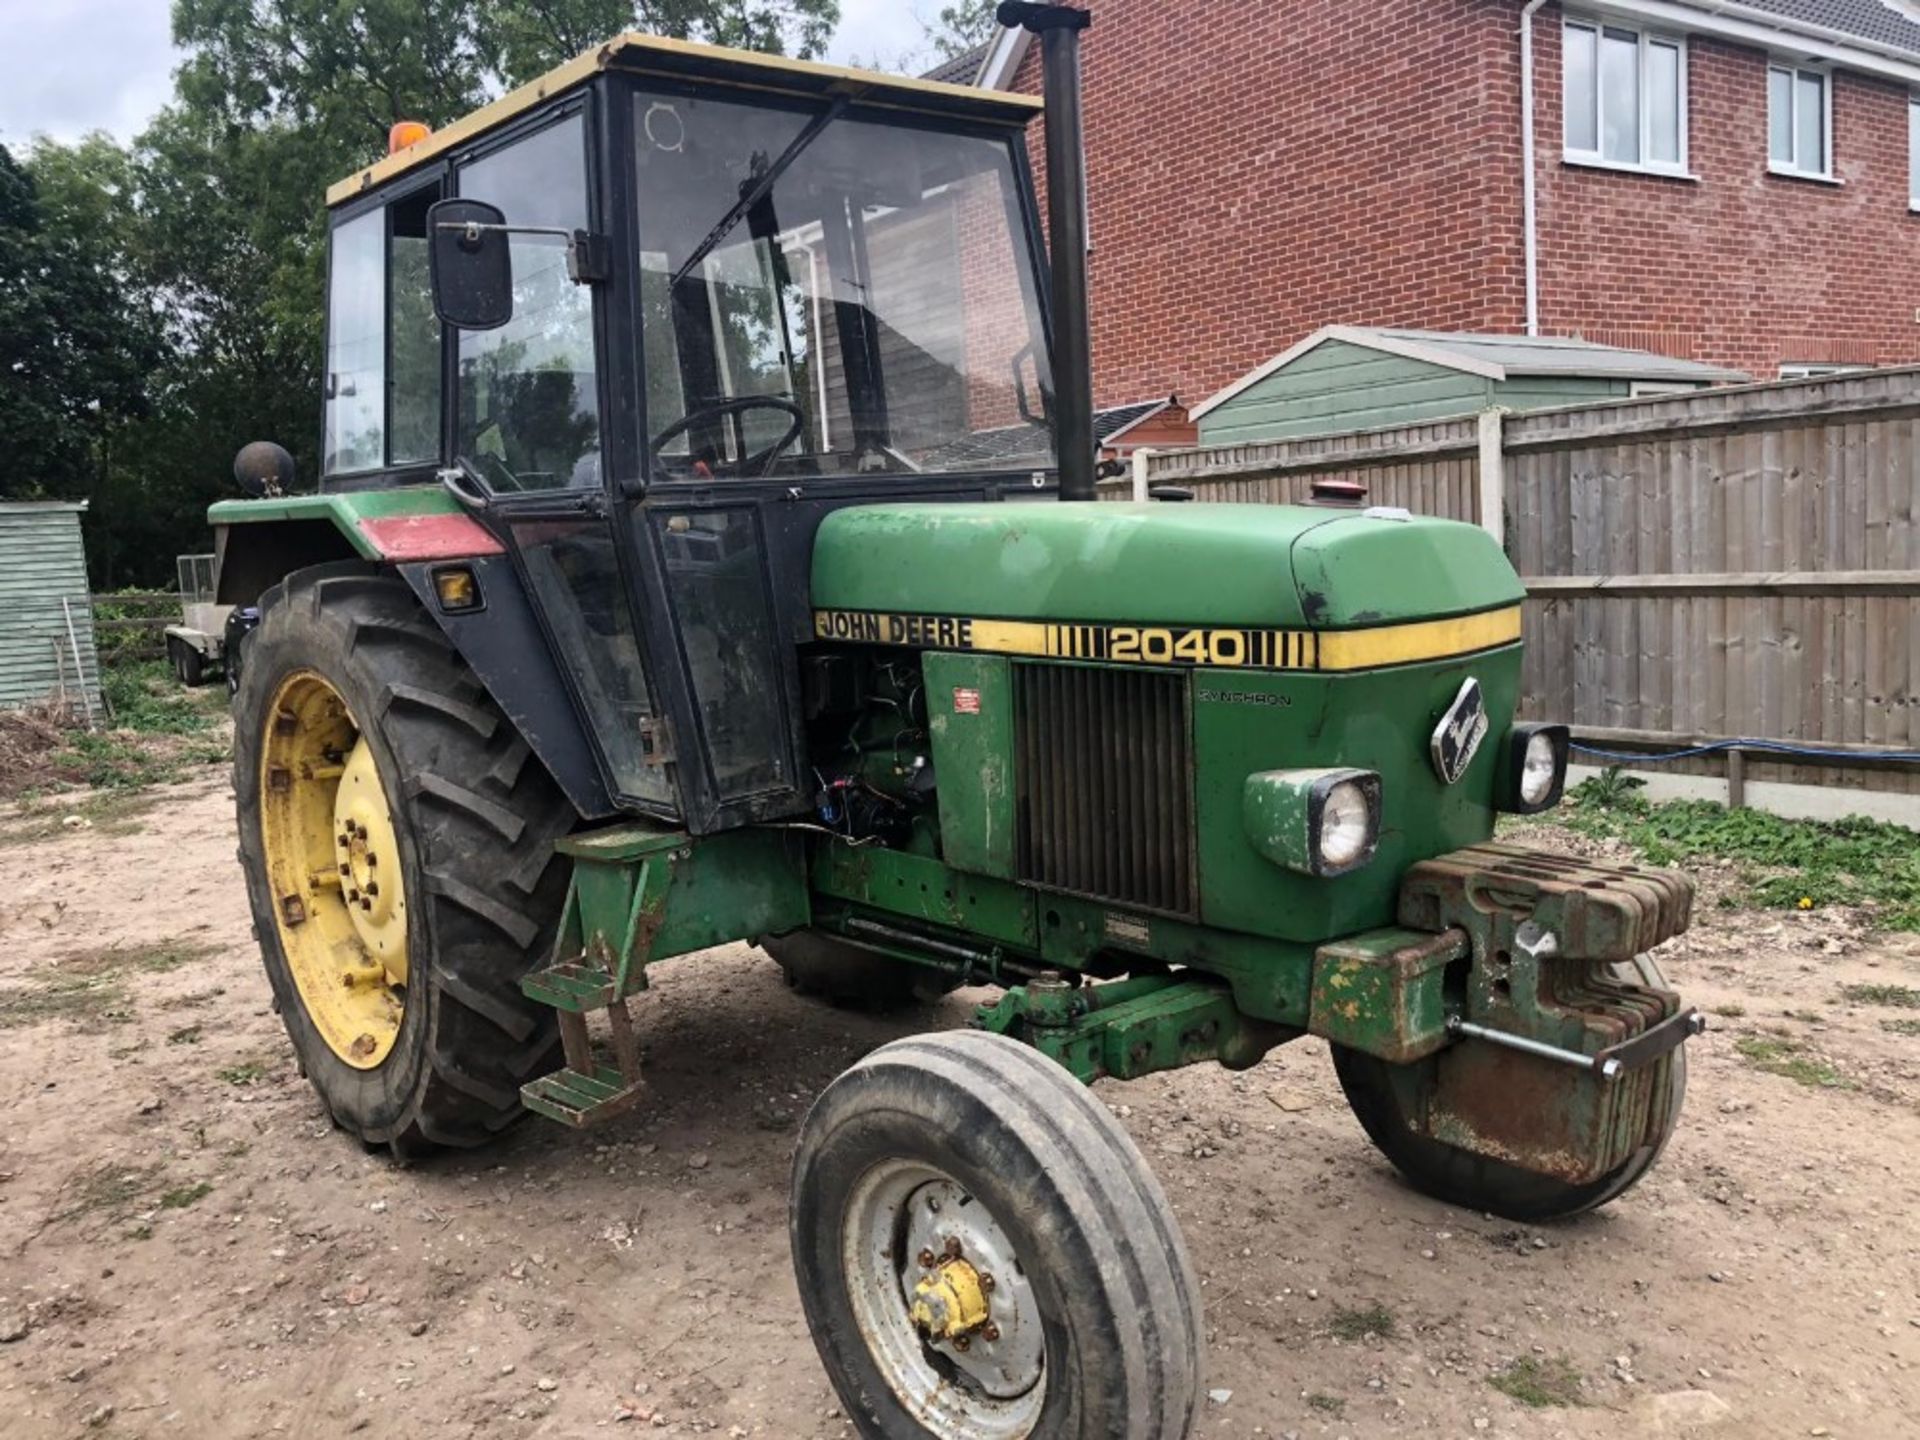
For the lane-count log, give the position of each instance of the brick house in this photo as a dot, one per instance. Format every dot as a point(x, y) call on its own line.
point(1731, 181)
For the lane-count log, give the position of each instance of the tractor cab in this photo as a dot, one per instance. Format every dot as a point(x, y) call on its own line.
point(646, 325)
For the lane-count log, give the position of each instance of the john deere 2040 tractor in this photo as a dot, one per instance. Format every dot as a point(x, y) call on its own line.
point(704, 552)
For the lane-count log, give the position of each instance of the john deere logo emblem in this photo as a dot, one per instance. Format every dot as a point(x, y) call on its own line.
point(1459, 733)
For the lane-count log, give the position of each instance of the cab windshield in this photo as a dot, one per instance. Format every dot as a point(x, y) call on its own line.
point(828, 296)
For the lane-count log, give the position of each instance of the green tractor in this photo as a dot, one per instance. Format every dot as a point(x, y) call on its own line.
point(704, 553)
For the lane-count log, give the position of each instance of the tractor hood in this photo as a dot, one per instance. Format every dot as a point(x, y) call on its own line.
point(1280, 566)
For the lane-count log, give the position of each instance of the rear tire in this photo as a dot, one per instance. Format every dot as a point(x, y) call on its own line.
point(1474, 1182)
point(845, 975)
point(476, 817)
point(1041, 1183)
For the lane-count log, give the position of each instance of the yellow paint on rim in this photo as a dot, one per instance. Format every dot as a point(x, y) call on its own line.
point(333, 867)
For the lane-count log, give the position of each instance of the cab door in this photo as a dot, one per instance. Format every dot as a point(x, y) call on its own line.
point(533, 425)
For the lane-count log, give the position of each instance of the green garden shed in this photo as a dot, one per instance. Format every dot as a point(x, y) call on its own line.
point(1346, 377)
point(46, 621)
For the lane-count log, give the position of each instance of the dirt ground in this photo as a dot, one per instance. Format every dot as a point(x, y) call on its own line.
point(187, 1248)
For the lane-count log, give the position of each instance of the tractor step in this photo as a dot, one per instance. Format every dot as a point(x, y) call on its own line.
point(574, 985)
point(581, 1100)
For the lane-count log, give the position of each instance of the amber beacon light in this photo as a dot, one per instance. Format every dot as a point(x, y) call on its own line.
point(406, 132)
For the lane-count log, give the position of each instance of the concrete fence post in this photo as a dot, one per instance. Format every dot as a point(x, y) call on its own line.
point(1493, 473)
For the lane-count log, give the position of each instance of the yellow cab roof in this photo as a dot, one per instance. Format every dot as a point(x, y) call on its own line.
point(634, 53)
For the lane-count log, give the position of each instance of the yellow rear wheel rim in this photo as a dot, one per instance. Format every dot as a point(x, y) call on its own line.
point(333, 867)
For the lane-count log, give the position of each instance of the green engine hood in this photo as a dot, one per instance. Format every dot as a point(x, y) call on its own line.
point(1280, 566)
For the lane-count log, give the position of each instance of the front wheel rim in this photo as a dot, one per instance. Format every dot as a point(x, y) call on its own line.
point(908, 1226)
point(333, 870)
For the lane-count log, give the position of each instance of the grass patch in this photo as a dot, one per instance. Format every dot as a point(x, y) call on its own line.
point(79, 998)
point(109, 1189)
point(145, 697)
point(1781, 864)
point(88, 987)
point(155, 959)
point(1899, 997)
point(1540, 1382)
point(183, 1196)
point(1731, 1012)
point(185, 1035)
point(1327, 1404)
point(1901, 1027)
point(159, 732)
point(1792, 1060)
point(247, 1072)
point(1375, 1319)
point(109, 812)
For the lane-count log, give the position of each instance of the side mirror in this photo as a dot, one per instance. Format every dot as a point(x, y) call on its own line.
point(263, 470)
point(471, 264)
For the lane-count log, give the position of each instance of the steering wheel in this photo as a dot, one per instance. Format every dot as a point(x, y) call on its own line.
point(761, 461)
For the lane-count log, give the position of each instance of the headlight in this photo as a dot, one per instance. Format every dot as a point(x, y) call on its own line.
point(1536, 769)
point(1319, 822)
point(1346, 826)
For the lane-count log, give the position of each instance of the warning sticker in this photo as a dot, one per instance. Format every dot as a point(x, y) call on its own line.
point(965, 701)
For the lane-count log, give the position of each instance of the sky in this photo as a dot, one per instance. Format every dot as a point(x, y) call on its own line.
point(70, 66)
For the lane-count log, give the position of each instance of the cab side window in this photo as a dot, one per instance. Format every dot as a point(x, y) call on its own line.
point(384, 355)
point(529, 416)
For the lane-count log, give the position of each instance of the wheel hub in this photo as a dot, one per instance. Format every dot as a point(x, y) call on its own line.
point(333, 865)
point(367, 855)
point(944, 1304)
point(951, 1303)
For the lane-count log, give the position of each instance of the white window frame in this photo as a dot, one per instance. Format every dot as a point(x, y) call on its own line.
point(1597, 157)
point(1913, 152)
point(1817, 369)
point(1794, 170)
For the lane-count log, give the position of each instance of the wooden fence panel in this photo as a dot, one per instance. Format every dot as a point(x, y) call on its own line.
point(1739, 562)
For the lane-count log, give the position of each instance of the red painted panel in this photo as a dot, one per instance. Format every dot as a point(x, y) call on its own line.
point(429, 537)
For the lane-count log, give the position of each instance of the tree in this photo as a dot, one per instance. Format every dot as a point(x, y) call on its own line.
point(75, 348)
point(162, 304)
point(961, 26)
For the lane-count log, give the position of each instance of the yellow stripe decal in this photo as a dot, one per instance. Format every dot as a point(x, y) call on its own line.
point(1222, 647)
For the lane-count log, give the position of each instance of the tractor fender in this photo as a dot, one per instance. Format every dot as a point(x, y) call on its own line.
point(257, 543)
point(504, 645)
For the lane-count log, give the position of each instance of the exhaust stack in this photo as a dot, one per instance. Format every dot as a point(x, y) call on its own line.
point(1059, 27)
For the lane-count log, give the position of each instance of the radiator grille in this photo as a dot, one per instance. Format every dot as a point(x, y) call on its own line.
point(1104, 783)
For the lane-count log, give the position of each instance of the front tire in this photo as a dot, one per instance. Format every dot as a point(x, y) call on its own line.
point(407, 1017)
point(981, 1156)
point(1475, 1182)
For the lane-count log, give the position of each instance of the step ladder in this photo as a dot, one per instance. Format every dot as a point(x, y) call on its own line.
point(615, 900)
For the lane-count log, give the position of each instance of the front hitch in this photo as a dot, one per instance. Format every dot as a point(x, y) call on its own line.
point(1515, 1001)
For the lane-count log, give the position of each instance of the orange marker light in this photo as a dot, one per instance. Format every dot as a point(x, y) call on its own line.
point(406, 132)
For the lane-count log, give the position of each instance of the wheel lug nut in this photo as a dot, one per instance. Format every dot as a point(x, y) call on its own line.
point(373, 888)
point(953, 1247)
point(986, 1282)
point(961, 1342)
point(990, 1333)
point(926, 1260)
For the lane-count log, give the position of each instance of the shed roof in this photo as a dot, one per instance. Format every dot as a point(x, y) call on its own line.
point(1495, 357)
point(961, 69)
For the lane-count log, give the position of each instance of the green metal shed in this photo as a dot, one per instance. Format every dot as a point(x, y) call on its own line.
point(46, 622)
point(1346, 377)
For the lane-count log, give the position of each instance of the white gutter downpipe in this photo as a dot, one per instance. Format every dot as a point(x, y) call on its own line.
point(1529, 204)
